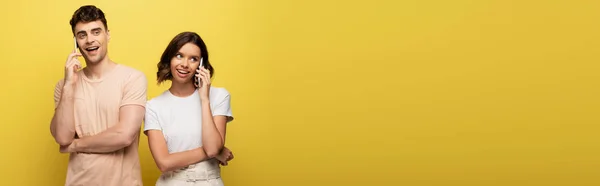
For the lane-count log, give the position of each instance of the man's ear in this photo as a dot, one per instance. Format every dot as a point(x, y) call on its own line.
point(108, 34)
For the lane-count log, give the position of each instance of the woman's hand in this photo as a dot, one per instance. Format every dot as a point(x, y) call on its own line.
point(203, 79)
point(225, 156)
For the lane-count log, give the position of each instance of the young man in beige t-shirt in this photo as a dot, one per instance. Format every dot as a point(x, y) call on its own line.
point(99, 109)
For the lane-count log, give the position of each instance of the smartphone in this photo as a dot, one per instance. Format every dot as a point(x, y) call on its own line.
point(196, 79)
point(78, 67)
point(75, 47)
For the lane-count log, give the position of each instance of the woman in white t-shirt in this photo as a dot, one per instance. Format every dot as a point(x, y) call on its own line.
point(186, 124)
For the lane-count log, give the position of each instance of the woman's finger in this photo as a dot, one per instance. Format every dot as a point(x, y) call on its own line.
point(204, 78)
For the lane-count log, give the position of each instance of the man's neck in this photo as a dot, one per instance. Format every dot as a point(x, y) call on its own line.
point(182, 90)
point(98, 70)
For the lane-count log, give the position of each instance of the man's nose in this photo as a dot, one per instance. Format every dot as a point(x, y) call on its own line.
point(89, 40)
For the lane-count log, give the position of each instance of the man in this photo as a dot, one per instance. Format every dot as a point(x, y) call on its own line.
point(98, 109)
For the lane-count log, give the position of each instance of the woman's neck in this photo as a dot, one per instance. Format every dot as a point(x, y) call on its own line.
point(182, 90)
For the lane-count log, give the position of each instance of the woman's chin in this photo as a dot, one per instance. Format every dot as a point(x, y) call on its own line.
point(182, 81)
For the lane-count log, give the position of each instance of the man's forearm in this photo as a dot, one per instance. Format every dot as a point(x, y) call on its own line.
point(117, 137)
point(62, 125)
point(108, 141)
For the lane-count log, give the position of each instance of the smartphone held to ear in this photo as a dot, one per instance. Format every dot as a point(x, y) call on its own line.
point(75, 47)
point(197, 80)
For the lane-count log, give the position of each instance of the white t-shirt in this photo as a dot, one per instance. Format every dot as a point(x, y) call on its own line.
point(180, 118)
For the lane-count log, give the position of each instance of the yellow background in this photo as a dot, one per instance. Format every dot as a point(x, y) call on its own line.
point(419, 93)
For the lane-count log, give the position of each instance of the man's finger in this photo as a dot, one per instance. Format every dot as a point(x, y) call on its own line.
point(73, 63)
point(73, 55)
point(69, 64)
point(77, 64)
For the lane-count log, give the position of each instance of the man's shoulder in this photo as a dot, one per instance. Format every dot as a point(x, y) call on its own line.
point(128, 70)
point(128, 75)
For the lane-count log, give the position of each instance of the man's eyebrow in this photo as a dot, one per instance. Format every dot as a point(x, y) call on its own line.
point(80, 32)
point(93, 29)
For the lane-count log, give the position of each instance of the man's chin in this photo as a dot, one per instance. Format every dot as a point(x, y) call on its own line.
point(93, 59)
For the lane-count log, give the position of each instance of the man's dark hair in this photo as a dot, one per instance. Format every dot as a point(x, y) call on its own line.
point(85, 14)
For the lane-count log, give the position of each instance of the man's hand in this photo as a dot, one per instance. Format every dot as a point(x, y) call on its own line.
point(225, 156)
point(71, 67)
point(67, 148)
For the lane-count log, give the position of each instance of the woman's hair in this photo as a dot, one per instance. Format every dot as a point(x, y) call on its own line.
point(164, 66)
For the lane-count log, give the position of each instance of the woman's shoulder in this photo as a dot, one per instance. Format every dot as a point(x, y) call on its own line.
point(219, 94)
point(158, 99)
point(221, 91)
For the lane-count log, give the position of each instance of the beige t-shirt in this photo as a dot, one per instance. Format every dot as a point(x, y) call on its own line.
point(97, 104)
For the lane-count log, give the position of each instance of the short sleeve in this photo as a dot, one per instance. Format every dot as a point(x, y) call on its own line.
point(223, 106)
point(151, 119)
point(135, 90)
point(57, 92)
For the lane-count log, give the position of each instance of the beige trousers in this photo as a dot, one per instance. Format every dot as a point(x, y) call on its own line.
point(206, 173)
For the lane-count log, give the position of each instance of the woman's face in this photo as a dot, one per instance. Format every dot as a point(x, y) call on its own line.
point(185, 63)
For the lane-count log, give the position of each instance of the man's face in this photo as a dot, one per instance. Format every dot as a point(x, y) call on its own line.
point(92, 39)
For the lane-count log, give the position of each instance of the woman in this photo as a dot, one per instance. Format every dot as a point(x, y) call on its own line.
point(186, 124)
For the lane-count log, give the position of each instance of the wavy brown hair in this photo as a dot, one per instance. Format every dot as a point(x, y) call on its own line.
point(164, 66)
